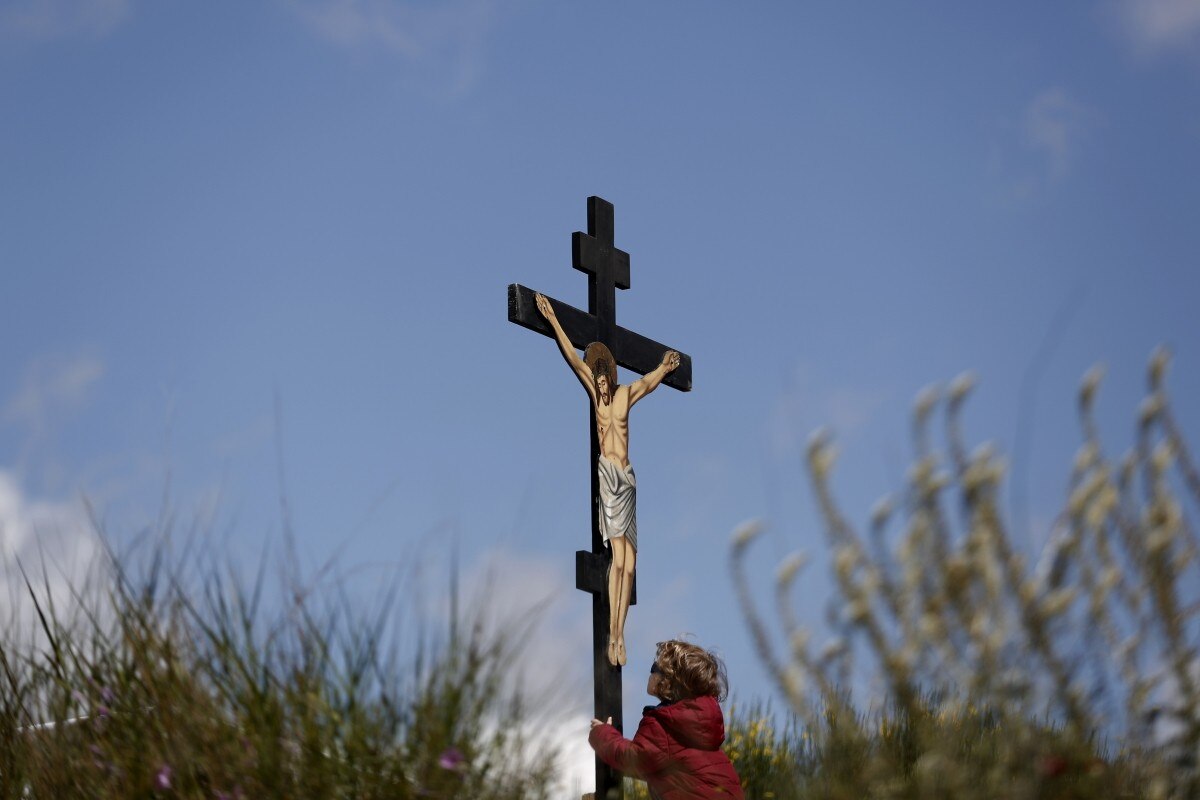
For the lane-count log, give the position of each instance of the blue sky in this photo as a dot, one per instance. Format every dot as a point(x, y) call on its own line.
point(243, 241)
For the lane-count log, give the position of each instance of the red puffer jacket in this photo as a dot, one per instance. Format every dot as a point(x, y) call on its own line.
point(677, 751)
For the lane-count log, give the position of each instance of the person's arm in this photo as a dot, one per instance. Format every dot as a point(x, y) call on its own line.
point(568, 350)
point(650, 381)
point(641, 758)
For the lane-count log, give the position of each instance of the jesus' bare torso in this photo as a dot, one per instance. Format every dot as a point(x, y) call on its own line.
point(612, 424)
point(611, 403)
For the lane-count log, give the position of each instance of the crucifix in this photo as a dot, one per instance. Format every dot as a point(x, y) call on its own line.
point(608, 577)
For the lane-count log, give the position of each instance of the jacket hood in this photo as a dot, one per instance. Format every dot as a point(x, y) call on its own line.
point(697, 722)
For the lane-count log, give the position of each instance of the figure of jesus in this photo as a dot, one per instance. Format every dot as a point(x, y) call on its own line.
point(597, 371)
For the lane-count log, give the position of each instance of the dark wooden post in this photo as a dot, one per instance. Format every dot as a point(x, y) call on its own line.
point(608, 270)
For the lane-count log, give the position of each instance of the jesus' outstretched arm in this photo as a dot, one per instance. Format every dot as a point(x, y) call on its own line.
point(568, 350)
point(650, 381)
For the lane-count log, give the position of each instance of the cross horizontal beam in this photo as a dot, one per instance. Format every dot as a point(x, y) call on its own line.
point(632, 351)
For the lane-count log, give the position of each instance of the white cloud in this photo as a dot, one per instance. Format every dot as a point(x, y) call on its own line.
point(56, 545)
point(446, 37)
point(554, 666)
point(43, 20)
point(511, 590)
point(1044, 144)
point(1054, 125)
point(50, 388)
point(1153, 27)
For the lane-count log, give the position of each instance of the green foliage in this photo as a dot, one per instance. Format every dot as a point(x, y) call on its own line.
point(150, 690)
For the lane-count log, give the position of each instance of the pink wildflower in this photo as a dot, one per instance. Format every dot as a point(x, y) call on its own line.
point(452, 759)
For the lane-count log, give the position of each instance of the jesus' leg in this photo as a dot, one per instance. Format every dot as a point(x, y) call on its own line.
point(626, 584)
point(616, 569)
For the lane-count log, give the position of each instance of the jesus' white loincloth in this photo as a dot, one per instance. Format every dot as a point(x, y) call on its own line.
point(618, 496)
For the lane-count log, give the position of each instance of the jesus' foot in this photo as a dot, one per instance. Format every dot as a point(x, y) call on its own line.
point(612, 651)
point(621, 650)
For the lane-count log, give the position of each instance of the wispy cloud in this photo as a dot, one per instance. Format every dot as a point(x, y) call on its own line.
point(1054, 125)
point(44, 20)
point(1154, 27)
point(445, 37)
point(1045, 143)
point(52, 387)
point(554, 663)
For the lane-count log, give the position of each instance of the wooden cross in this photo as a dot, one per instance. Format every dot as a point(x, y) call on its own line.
point(608, 270)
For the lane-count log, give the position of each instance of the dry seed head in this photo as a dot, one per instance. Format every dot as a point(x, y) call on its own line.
point(984, 453)
point(1159, 538)
point(926, 399)
point(881, 511)
point(898, 663)
point(1057, 602)
point(745, 533)
point(834, 648)
point(858, 611)
point(1107, 498)
point(1149, 410)
point(975, 477)
point(999, 466)
point(821, 454)
point(958, 574)
point(1097, 512)
point(790, 567)
point(1086, 457)
point(800, 639)
point(818, 439)
point(1027, 592)
point(991, 576)
point(1160, 359)
point(1109, 579)
point(961, 386)
point(871, 580)
point(919, 472)
point(1077, 502)
point(1163, 456)
point(1089, 384)
point(844, 562)
point(1170, 512)
point(795, 682)
point(939, 480)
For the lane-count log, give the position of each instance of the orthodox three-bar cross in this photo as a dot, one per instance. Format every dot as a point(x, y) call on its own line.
point(608, 270)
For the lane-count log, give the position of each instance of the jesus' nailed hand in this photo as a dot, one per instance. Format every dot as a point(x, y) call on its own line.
point(597, 371)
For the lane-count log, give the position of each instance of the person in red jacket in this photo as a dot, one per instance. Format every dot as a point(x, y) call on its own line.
point(677, 747)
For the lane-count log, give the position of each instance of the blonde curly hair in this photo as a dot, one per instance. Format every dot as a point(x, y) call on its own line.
point(689, 671)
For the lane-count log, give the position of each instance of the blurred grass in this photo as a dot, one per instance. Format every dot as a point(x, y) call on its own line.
point(181, 685)
point(1078, 677)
